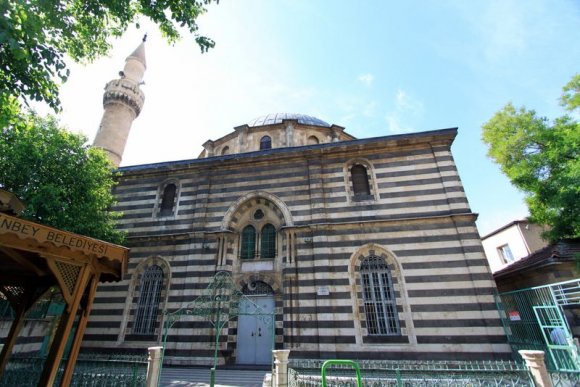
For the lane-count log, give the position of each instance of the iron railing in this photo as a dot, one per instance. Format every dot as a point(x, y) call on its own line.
point(304, 373)
point(91, 370)
point(565, 378)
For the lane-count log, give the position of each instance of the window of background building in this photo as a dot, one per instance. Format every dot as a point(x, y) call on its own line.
point(506, 253)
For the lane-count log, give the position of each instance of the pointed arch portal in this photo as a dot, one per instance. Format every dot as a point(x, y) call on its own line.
point(220, 302)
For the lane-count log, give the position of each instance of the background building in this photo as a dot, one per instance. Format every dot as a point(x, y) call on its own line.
point(511, 243)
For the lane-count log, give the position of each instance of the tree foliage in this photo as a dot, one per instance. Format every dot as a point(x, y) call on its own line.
point(63, 182)
point(541, 158)
point(35, 35)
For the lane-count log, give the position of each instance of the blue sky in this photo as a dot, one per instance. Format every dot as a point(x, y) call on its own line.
point(374, 67)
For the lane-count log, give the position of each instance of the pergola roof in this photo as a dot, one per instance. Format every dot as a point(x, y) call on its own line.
point(25, 247)
point(35, 257)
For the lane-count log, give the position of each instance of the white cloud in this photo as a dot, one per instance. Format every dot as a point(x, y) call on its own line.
point(369, 109)
point(503, 30)
point(407, 112)
point(366, 79)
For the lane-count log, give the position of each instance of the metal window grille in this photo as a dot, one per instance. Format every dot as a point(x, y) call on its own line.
point(268, 242)
point(168, 199)
point(360, 180)
point(379, 299)
point(257, 288)
point(248, 248)
point(266, 143)
point(149, 297)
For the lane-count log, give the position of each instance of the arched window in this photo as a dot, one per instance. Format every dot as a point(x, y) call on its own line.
point(266, 143)
point(149, 297)
point(380, 304)
point(168, 200)
point(313, 140)
point(268, 242)
point(360, 180)
point(225, 150)
point(248, 248)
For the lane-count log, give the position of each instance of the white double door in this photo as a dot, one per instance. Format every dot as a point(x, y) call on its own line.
point(255, 332)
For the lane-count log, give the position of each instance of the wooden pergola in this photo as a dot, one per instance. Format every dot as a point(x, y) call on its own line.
point(34, 258)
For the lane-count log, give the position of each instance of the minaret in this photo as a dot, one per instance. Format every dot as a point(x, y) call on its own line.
point(122, 101)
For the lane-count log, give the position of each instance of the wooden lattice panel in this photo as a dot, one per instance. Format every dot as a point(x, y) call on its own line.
point(13, 293)
point(69, 274)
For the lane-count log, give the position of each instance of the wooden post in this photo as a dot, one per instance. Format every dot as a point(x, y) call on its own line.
point(535, 362)
point(153, 366)
point(52, 362)
point(280, 378)
point(12, 336)
point(76, 345)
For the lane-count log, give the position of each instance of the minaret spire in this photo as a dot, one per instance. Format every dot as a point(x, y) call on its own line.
point(122, 101)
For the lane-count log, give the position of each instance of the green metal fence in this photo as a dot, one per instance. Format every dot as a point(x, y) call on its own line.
point(39, 310)
point(304, 373)
point(565, 378)
point(533, 318)
point(91, 371)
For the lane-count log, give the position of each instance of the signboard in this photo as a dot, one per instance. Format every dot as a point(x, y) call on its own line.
point(514, 316)
point(42, 234)
point(323, 291)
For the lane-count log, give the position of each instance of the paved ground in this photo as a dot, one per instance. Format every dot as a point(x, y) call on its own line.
point(199, 377)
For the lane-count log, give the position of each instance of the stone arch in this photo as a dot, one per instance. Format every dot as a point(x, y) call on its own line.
point(251, 199)
point(372, 248)
point(270, 278)
point(407, 330)
point(312, 140)
point(348, 184)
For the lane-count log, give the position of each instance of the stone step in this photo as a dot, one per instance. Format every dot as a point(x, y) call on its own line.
point(199, 377)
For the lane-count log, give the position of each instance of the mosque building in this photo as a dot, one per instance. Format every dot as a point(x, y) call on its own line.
point(361, 248)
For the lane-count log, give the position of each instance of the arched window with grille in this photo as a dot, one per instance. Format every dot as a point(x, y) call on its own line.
point(268, 242)
point(149, 297)
point(168, 200)
point(248, 246)
point(380, 304)
point(360, 181)
point(265, 143)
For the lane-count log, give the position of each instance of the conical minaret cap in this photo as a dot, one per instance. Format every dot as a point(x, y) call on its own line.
point(139, 54)
point(135, 64)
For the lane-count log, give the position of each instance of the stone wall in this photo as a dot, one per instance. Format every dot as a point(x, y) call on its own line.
point(416, 216)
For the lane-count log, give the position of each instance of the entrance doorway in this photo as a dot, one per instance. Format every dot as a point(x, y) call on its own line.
point(255, 331)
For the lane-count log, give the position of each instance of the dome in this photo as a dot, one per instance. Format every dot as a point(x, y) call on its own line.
point(276, 118)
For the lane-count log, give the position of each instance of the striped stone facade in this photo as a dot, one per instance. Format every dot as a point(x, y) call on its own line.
point(415, 218)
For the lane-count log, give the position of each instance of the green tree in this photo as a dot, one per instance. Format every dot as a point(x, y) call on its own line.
point(35, 35)
point(541, 158)
point(63, 182)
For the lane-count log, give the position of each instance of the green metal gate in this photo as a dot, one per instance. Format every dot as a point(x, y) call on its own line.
point(533, 319)
point(557, 337)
